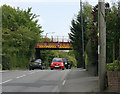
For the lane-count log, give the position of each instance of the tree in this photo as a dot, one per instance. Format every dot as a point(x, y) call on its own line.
point(20, 33)
point(113, 32)
point(76, 33)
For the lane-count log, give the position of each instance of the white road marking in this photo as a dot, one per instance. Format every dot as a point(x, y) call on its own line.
point(64, 75)
point(56, 89)
point(31, 72)
point(20, 76)
point(1, 71)
point(6, 81)
point(64, 82)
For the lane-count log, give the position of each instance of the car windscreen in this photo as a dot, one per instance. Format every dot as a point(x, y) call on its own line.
point(38, 60)
point(32, 60)
point(57, 60)
point(65, 60)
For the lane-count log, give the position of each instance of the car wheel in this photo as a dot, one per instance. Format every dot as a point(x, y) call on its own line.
point(63, 69)
point(42, 68)
point(51, 68)
point(32, 68)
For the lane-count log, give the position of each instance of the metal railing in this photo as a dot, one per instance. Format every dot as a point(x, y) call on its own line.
point(56, 38)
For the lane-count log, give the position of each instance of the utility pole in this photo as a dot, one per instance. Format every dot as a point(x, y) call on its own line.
point(82, 35)
point(101, 43)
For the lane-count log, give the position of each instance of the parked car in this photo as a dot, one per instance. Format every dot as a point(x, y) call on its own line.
point(36, 64)
point(67, 65)
point(57, 63)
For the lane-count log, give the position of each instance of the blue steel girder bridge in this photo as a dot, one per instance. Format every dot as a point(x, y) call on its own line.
point(53, 43)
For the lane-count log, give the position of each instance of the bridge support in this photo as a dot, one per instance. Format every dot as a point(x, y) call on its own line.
point(37, 54)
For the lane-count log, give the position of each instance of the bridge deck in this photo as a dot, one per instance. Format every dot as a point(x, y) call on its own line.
point(54, 46)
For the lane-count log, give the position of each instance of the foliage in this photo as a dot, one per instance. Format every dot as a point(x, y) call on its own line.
point(90, 21)
point(0, 65)
point(92, 58)
point(115, 66)
point(20, 33)
point(75, 37)
point(48, 55)
point(76, 33)
point(113, 31)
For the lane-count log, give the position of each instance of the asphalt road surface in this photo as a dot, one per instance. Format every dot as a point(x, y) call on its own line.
point(69, 80)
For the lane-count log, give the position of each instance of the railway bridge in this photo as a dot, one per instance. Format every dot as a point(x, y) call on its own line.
point(56, 43)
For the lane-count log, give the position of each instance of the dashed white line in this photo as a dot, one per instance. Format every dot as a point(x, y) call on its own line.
point(6, 81)
point(56, 89)
point(31, 72)
point(64, 82)
point(20, 76)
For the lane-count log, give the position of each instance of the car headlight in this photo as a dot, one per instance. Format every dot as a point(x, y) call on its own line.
point(65, 63)
point(51, 63)
point(62, 64)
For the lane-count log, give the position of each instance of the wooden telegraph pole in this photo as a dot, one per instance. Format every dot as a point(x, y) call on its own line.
point(101, 43)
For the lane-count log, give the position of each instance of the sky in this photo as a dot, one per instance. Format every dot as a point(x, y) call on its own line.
point(55, 15)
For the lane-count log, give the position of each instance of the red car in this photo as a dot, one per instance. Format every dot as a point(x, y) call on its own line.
point(57, 63)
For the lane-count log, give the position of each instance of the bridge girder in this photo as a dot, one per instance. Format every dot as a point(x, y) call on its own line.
point(51, 46)
point(54, 46)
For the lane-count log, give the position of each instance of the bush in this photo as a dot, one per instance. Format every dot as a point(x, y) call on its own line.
point(0, 65)
point(91, 53)
point(115, 66)
point(5, 62)
point(91, 58)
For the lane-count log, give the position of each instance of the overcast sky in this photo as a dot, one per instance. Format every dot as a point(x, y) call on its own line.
point(55, 15)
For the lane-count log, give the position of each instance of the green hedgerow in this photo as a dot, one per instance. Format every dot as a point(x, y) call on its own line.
point(115, 66)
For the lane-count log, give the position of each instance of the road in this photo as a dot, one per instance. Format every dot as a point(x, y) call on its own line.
point(70, 80)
